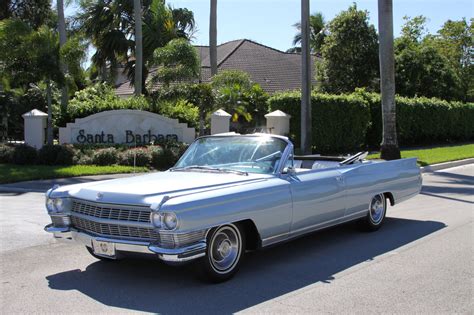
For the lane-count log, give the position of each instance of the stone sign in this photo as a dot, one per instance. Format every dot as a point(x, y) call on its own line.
point(134, 127)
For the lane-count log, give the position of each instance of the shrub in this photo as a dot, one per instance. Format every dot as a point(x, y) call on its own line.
point(48, 154)
point(339, 122)
point(24, 154)
point(67, 155)
point(422, 120)
point(157, 157)
point(106, 156)
point(343, 123)
point(84, 159)
point(231, 77)
point(180, 109)
point(167, 156)
point(141, 156)
point(6, 153)
point(101, 97)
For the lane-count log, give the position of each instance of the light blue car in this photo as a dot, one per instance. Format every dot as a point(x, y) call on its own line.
point(227, 194)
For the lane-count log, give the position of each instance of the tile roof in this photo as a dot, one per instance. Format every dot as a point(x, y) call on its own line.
point(273, 69)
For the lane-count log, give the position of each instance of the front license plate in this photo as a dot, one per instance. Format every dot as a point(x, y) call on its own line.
point(103, 248)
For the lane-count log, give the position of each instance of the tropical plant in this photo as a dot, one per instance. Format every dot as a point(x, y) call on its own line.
point(34, 13)
point(350, 53)
point(230, 77)
point(231, 99)
point(176, 61)
point(110, 26)
point(237, 94)
point(317, 26)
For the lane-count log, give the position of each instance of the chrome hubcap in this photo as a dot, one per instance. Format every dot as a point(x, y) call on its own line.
point(225, 249)
point(377, 208)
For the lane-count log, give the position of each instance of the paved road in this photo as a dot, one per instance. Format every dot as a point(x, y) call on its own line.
point(421, 261)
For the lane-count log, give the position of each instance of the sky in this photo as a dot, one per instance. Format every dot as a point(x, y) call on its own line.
point(270, 22)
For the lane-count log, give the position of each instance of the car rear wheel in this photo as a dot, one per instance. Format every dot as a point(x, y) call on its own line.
point(376, 214)
point(223, 254)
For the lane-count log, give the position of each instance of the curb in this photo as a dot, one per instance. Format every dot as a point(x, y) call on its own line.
point(442, 166)
point(19, 190)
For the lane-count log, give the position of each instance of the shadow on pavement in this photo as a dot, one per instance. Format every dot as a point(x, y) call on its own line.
point(149, 286)
point(448, 185)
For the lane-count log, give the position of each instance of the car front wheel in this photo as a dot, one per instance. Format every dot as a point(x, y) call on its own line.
point(224, 253)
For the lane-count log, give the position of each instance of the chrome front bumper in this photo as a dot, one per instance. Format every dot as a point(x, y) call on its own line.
point(173, 255)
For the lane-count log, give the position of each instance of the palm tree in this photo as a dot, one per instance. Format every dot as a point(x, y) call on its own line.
point(137, 9)
point(389, 147)
point(213, 37)
point(306, 128)
point(317, 26)
point(110, 26)
point(62, 41)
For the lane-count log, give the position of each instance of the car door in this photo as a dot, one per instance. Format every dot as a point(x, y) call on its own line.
point(318, 197)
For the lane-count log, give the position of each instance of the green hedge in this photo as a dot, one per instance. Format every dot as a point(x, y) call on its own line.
point(422, 121)
point(340, 122)
point(101, 97)
point(345, 123)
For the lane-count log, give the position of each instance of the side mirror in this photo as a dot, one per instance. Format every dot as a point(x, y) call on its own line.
point(289, 170)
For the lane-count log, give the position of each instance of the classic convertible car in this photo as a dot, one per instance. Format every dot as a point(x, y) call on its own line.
point(227, 194)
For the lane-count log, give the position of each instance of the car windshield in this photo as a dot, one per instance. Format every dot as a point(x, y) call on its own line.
point(240, 154)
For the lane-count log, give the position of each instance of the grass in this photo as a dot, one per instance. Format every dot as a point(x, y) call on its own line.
point(436, 155)
point(10, 173)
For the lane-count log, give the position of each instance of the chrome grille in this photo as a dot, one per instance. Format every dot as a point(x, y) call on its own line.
point(115, 230)
point(112, 212)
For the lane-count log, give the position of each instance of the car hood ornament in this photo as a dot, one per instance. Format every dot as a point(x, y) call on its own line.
point(99, 196)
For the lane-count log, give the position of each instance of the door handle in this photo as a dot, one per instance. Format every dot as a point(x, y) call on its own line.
point(339, 178)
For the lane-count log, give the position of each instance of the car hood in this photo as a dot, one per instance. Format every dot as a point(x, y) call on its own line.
point(142, 189)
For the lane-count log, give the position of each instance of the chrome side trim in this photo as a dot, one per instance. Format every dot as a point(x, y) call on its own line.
point(313, 228)
point(180, 254)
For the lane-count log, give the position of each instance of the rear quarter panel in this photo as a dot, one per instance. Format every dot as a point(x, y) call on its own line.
point(402, 178)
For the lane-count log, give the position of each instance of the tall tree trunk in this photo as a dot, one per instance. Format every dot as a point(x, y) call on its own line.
point(306, 130)
point(201, 121)
point(137, 8)
point(389, 146)
point(213, 37)
point(49, 129)
point(62, 41)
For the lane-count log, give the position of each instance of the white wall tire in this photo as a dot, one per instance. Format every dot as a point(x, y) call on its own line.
point(376, 214)
point(225, 248)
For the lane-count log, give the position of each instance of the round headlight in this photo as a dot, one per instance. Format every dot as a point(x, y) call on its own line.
point(63, 204)
point(50, 205)
point(170, 221)
point(156, 219)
